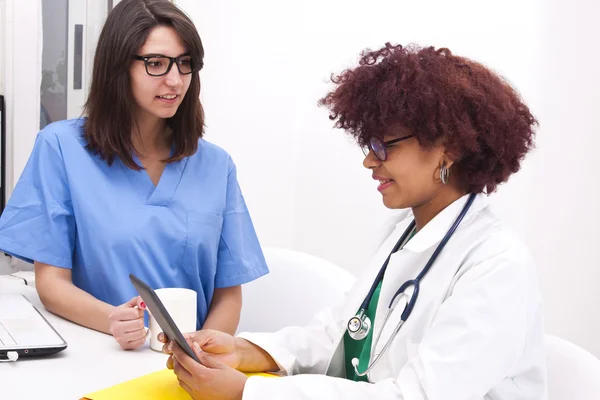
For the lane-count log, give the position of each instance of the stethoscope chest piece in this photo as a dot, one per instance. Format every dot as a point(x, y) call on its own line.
point(359, 326)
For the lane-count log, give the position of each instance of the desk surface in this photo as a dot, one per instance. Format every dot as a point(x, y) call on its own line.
point(92, 361)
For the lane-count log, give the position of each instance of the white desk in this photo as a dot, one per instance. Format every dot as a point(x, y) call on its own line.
point(92, 361)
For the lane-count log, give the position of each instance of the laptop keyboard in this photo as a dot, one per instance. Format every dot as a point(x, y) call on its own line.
point(28, 332)
point(22, 325)
point(5, 338)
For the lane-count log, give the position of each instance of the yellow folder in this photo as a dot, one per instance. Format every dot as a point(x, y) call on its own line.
point(160, 385)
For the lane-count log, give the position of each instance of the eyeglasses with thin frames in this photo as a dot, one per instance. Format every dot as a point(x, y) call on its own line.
point(379, 147)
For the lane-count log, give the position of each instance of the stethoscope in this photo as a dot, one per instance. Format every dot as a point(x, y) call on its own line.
point(360, 325)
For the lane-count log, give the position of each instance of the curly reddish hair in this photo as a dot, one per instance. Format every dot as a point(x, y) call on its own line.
point(441, 98)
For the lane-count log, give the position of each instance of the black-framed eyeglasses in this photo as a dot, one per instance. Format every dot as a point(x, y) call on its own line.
point(159, 65)
point(380, 147)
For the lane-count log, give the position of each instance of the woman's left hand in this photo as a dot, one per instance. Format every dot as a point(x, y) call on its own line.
point(208, 380)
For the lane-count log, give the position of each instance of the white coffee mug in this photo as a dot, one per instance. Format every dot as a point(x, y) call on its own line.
point(181, 305)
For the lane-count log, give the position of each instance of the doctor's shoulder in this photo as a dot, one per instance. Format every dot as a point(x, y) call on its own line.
point(492, 245)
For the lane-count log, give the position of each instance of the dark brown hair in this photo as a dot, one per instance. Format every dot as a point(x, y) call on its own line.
point(441, 98)
point(110, 104)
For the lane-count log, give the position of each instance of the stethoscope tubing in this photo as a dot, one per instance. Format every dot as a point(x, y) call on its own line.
point(402, 290)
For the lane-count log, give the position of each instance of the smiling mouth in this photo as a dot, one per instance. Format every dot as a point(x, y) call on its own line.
point(168, 96)
point(384, 181)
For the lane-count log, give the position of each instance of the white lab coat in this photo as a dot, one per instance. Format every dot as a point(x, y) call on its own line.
point(475, 332)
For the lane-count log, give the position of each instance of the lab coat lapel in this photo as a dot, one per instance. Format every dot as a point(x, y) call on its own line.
point(356, 296)
point(406, 265)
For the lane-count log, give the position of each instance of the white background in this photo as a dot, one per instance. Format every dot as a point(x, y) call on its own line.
point(268, 62)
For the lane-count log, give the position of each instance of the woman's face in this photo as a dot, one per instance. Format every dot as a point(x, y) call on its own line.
point(410, 175)
point(159, 96)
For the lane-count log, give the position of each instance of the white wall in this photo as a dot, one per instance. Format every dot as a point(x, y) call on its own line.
point(268, 62)
point(564, 214)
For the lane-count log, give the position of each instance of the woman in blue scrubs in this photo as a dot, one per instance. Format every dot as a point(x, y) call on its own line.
point(133, 188)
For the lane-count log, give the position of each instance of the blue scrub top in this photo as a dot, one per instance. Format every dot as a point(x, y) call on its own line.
point(72, 210)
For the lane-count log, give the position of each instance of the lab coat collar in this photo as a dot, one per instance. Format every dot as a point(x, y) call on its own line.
point(434, 231)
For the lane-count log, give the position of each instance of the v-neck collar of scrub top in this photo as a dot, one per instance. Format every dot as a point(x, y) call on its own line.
point(163, 192)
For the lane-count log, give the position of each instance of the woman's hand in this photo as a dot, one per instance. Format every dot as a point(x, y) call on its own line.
point(209, 379)
point(127, 324)
point(220, 346)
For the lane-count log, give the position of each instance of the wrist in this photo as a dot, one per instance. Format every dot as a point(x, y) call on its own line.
point(242, 350)
point(252, 358)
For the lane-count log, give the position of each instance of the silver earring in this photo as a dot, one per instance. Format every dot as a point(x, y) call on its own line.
point(444, 174)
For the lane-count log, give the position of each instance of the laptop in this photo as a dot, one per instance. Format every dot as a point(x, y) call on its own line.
point(24, 330)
